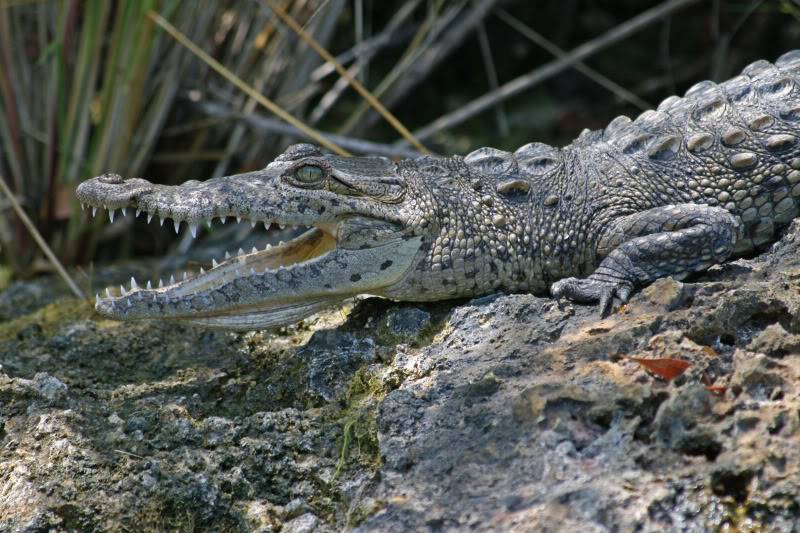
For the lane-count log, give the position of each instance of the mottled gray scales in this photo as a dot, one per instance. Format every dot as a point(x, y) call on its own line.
point(668, 193)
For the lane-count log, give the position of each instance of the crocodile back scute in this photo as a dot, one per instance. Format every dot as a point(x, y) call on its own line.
point(734, 144)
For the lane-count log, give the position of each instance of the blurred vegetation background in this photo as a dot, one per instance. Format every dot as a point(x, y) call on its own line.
point(90, 86)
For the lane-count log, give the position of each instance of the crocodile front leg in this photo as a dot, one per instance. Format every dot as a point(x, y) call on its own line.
point(673, 240)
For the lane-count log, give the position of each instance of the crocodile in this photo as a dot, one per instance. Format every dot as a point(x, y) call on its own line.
point(706, 176)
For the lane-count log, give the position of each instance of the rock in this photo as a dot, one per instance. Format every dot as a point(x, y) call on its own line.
point(775, 341)
point(732, 478)
point(333, 358)
point(508, 412)
point(757, 375)
point(49, 386)
point(307, 523)
point(406, 324)
point(666, 293)
point(679, 422)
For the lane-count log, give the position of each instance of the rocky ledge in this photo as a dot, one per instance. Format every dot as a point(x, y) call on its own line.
point(506, 412)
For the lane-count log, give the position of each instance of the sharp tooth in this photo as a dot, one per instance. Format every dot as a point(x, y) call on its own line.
point(108, 293)
point(238, 219)
point(94, 211)
point(138, 212)
point(266, 225)
point(252, 271)
point(193, 229)
point(282, 226)
point(252, 223)
point(134, 285)
point(161, 222)
point(238, 273)
point(111, 215)
point(227, 255)
point(82, 206)
point(149, 217)
point(171, 279)
point(160, 283)
point(254, 250)
point(154, 298)
point(209, 223)
point(177, 224)
point(214, 263)
point(222, 219)
point(129, 302)
point(280, 243)
point(124, 211)
point(202, 270)
point(122, 290)
point(241, 252)
point(149, 285)
point(97, 298)
point(185, 276)
point(268, 246)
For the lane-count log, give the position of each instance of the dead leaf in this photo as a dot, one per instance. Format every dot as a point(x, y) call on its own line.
point(664, 368)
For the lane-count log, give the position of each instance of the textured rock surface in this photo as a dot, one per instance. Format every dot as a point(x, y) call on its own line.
point(505, 412)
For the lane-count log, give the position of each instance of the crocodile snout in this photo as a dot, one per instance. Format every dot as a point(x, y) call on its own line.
point(112, 191)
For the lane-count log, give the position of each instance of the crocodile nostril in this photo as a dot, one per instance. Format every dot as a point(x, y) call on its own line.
point(111, 178)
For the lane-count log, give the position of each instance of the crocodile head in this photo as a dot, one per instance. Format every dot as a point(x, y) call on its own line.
point(364, 236)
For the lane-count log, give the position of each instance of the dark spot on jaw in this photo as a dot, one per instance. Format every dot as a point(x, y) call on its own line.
point(385, 265)
point(355, 277)
point(327, 285)
point(321, 210)
point(334, 202)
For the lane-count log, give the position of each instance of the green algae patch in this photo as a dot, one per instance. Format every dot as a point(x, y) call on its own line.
point(359, 421)
point(50, 318)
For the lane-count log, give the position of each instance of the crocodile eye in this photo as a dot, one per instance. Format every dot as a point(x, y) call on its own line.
point(309, 174)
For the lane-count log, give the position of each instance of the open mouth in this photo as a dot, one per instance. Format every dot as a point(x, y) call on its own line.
point(331, 258)
point(273, 262)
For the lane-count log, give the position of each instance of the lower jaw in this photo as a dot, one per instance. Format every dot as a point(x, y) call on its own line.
point(260, 318)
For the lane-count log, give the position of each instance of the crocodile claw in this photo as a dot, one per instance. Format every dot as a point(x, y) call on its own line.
point(590, 290)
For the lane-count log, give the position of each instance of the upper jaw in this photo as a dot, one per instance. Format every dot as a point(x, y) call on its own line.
point(254, 196)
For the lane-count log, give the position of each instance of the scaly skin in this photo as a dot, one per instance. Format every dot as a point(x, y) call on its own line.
point(673, 192)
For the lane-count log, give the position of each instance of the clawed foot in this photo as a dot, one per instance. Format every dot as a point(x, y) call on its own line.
point(590, 290)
